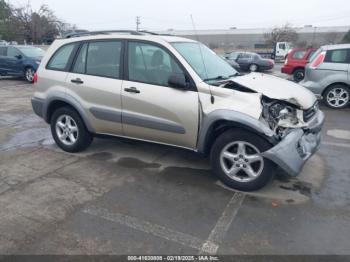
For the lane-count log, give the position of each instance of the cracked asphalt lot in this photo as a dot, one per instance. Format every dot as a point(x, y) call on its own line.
point(127, 197)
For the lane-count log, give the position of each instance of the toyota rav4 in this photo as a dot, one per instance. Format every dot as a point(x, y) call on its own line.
point(176, 91)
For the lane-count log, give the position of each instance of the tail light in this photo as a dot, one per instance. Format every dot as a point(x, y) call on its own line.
point(318, 60)
point(35, 79)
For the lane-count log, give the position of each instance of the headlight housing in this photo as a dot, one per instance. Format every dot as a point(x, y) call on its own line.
point(280, 115)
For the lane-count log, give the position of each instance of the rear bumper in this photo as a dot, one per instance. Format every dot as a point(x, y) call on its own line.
point(38, 106)
point(287, 70)
point(297, 147)
point(266, 67)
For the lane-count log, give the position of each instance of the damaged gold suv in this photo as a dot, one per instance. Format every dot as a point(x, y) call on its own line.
point(176, 91)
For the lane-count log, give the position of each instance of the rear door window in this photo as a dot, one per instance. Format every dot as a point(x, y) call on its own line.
point(337, 56)
point(60, 60)
point(103, 59)
point(80, 62)
point(299, 54)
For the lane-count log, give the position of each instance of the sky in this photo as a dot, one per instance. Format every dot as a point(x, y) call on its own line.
point(207, 14)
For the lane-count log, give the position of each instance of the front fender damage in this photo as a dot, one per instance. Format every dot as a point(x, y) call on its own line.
point(297, 147)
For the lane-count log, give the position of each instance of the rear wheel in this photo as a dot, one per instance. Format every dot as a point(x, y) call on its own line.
point(298, 75)
point(236, 159)
point(69, 131)
point(337, 96)
point(253, 68)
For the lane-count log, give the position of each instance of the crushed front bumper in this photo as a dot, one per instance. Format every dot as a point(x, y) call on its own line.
point(297, 147)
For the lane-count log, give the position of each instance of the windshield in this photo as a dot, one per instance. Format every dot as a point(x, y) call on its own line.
point(32, 51)
point(205, 62)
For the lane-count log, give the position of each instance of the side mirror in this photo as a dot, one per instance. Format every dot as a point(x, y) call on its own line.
point(178, 81)
point(19, 56)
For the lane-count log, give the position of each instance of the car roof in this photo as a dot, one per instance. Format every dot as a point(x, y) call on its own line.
point(338, 46)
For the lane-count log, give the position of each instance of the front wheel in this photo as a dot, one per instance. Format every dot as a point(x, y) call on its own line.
point(236, 159)
point(29, 74)
point(69, 131)
point(337, 96)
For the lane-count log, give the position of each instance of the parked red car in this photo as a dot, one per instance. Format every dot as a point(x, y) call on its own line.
point(296, 61)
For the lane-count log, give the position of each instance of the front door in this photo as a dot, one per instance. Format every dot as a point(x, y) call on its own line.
point(14, 61)
point(95, 81)
point(3, 58)
point(152, 110)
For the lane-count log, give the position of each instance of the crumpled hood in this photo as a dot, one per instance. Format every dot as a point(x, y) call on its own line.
point(277, 88)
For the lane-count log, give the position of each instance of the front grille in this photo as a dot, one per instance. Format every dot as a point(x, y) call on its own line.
point(310, 112)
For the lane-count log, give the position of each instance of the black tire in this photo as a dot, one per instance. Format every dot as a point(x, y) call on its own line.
point(343, 101)
point(29, 74)
point(298, 75)
point(253, 68)
point(262, 145)
point(84, 138)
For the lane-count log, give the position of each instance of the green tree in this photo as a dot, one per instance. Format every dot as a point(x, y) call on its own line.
point(281, 34)
point(6, 17)
point(346, 38)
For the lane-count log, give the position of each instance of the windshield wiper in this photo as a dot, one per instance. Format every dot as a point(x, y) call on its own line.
point(215, 78)
point(219, 78)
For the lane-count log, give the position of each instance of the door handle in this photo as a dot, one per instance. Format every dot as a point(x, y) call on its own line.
point(77, 81)
point(132, 90)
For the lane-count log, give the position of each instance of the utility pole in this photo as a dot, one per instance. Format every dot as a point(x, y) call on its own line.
point(138, 22)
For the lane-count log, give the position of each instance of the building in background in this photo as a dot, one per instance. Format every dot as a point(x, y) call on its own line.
point(252, 39)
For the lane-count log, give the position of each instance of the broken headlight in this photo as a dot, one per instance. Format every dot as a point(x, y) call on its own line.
point(280, 111)
point(280, 116)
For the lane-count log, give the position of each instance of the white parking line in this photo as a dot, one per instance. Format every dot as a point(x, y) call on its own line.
point(15, 85)
point(209, 246)
point(218, 233)
point(147, 227)
point(347, 145)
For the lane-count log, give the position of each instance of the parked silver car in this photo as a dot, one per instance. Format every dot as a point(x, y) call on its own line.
point(327, 75)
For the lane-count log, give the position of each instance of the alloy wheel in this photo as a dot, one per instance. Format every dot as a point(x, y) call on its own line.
point(30, 74)
point(241, 161)
point(253, 68)
point(67, 130)
point(337, 97)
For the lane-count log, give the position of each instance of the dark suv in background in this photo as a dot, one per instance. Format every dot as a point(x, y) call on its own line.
point(22, 61)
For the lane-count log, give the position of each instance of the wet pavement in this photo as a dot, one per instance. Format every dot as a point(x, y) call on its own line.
point(127, 197)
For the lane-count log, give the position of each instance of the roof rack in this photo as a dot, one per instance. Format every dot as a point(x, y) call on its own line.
point(106, 32)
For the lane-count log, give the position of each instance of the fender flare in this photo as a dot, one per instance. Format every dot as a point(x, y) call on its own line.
point(238, 119)
point(63, 97)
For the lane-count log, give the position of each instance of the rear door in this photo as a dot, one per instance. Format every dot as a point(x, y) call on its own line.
point(95, 81)
point(335, 67)
point(152, 110)
point(244, 60)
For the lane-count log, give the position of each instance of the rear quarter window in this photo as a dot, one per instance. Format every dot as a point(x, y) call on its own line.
point(61, 58)
point(337, 56)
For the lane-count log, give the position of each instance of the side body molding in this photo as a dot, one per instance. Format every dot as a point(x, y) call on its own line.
point(238, 119)
point(61, 96)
